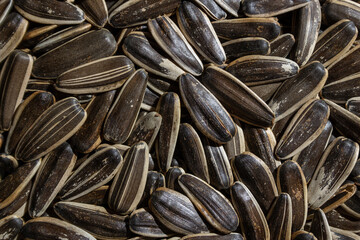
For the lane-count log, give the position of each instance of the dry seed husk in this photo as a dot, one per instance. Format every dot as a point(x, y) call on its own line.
point(8, 164)
point(265, 91)
point(160, 86)
point(96, 11)
point(340, 234)
point(256, 69)
point(347, 123)
point(13, 185)
point(88, 137)
point(351, 206)
point(122, 115)
point(335, 219)
point(150, 101)
point(154, 180)
point(236, 145)
point(35, 35)
point(176, 212)
point(129, 183)
point(140, 11)
point(55, 168)
point(209, 116)
point(168, 107)
point(52, 228)
point(10, 227)
point(237, 98)
point(143, 223)
point(58, 38)
point(266, 8)
point(213, 236)
point(296, 91)
point(339, 37)
point(220, 172)
point(18, 205)
point(138, 48)
point(308, 26)
point(99, 44)
point(246, 46)
point(198, 30)
point(146, 129)
point(336, 10)
point(171, 177)
point(256, 175)
point(252, 220)
point(193, 152)
point(14, 77)
point(214, 206)
point(5, 7)
point(334, 167)
point(290, 179)
point(52, 128)
point(230, 6)
point(228, 29)
point(93, 219)
point(50, 11)
point(304, 128)
point(303, 235)
point(310, 156)
point(211, 8)
point(279, 217)
point(172, 41)
point(35, 85)
point(320, 226)
point(95, 197)
point(96, 171)
point(282, 45)
point(12, 30)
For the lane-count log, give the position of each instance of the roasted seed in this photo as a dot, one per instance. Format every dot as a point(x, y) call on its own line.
point(10, 227)
point(267, 8)
point(96, 11)
point(211, 8)
point(282, 45)
point(246, 46)
point(320, 226)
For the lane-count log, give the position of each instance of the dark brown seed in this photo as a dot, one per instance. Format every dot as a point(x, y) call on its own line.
point(129, 183)
point(5, 7)
point(154, 180)
point(340, 234)
point(336, 10)
point(337, 220)
point(171, 178)
point(320, 226)
point(140, 12)
point(95, 197)
point(96, 11)
point(209, 116)
point(351, 206)
point(303, 235)
point(211, 8)
point(198, 30)
point(246, 46)
point(228, 29)
point(282, 45)
point(96, 171)
point(257, 177)
point(55, 168)
point(176, 212)
point(122, 115)
point(161, 86)
point(100, 43)
point(341, 90)
point(266, 8)
point(18, 206)
point(100, 224)
point(237, 144)
point(8, 164)
point(237, 98)
point(230, 6)
point(290, 179)
point(37, 34)
point(213, 236)
point(10, 227)
point(52, 128)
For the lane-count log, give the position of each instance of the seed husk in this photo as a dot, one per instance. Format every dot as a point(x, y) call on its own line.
point(209, 116)
point(154, 180)
point(336, 220)
point(211, 8)
point(129, 183)
point(338, 37)
point(351, 206)
point(246, 46)
point(230, 6)
point(140, 12)
point(198, 30)
point(237, 98)
point(52, 228)
point(213, 236)
point(161, 86)
point(95, 197)
point(296, 91)
point(10, 227)
point(52, 128)
point(172, 41)
point(99, 44)
point(282, 45)
point(340, 234)
point(335, 10)
point(320, 226)
point(237, 144)
point(176, 212)
point(35, 35)
point(290, 179)
point(8, 164)
point(97, 170)
point(5, 8)
point(266, 8)
point(228, 29)
point(303, 235)
point(55, 168)
point(252, 220)
point(143, 223)
point(96, 11)
point(334, 167)
point(14, 77)
point(150, 101)
point(171, 178)
point(18, 206)
point(101, 224)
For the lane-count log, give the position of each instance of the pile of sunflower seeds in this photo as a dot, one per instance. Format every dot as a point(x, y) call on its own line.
point(180, 119)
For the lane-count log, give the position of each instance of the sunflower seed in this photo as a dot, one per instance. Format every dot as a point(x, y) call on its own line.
point(49, 11)
point(266, 8)
point(8, 164)
point(213, 236)
point(211, 8)
point(160, 86)
point(154, 180)
point(337, 220)
point(197, 29)
point(334, 167)
point(18, 205)
point(320, 226)
point(122, 115)
point(282, 45)
point(351, 206)
point(236, 145)
point(5, 7)
point(171, 178)
point(176, 212)
point(341, 90)
point(246, 46)
point(96, 11)
point(303, 235)
point(100, 44)
point(96, 171)
point(10, 227)
point(336, 10)
point(55, 168)
point(209, 116)
point(339, 234)
point(37, 34)
point(150, 101)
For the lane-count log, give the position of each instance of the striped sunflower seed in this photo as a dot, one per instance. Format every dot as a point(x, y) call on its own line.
point(340, 234)
point(154, 180)
point(246, 46)
point(35, 35)
point(211, 8)
point(230, 6)
point(171, 178)
point(266, 8)
point(336, 10)
point(303, 235)
point(351, 206)
point(122, 115)
point(52, 128)
point(209, 116)
point(336, 220)
point(150, 101)
point(55, 168)
point(161, 86)
point(282, 45)
point(129, 183)
point(236, 145)
point(8, 164)
point(176, 212)
point(320, 226)
point(49, 11)
point(18, 206)
point(96, 12)
point(95, 197)
point(266, 91)
point(10, 227)
point(96, 171)
point(213, 236)
point(5, 8)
